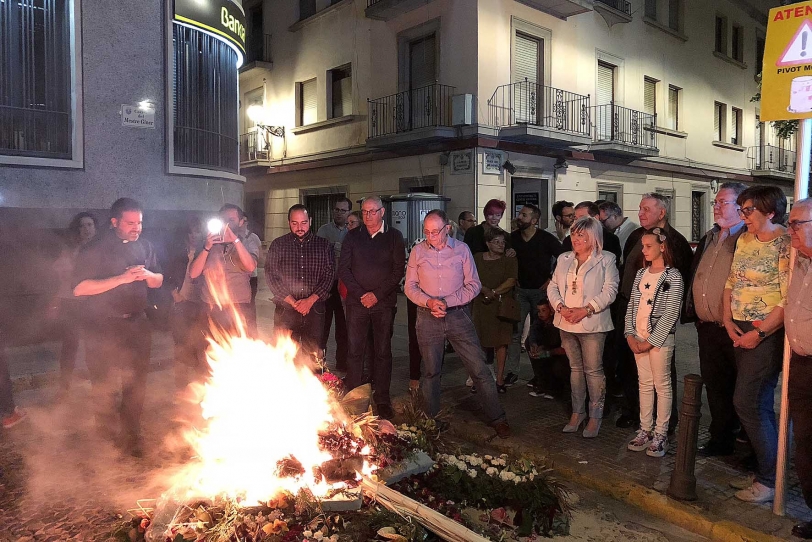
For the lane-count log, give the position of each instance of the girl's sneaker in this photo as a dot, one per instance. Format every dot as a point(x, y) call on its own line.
point(658, 446)
point(641, 441)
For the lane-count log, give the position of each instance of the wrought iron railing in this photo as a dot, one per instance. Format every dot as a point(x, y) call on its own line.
point(253, 147)
point(771, 158)
point(614, 123)
point(538, 105)
point(259, 48)
point(620, 5)
point(423, 107)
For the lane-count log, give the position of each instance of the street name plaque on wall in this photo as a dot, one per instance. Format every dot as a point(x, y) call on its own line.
point(223, 18)
point(135, 116)
point(786, 80)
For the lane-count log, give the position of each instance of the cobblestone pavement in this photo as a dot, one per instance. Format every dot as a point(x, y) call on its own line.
point(58, 481)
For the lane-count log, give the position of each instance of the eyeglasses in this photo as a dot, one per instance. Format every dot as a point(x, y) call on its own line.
point(796, 224)
point(746, 211)
point(568, 215)
point(433, 233)
point(720, 202)
point(339, 210)
point(497, 241)
point(372, 212)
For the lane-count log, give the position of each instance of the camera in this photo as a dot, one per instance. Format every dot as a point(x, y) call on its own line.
point(215, 226)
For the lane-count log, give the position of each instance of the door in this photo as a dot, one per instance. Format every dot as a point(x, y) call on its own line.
point(423, 92)
point(526, 80)
point(604, 121)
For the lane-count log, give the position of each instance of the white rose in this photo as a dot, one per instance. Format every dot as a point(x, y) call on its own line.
point(517, 480)
point(472, 473)
point(491, 471)
point(307, 534)
point(531, 477)
point(488, 457)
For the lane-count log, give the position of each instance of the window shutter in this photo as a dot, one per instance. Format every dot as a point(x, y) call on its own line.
point(342, 92)
point(717, 121)
point(673, 108)
point(606, 84)
point(649, 96)
point(309, 106)
point(673, 14)
point(422, 62)
point(526, 65)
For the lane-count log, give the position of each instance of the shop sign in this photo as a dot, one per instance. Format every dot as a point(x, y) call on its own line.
point(221, 17)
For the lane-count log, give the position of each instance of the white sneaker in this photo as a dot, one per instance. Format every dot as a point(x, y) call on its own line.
point(658, 445)
point(469, 382)
point(641, 441)
point(757, 493)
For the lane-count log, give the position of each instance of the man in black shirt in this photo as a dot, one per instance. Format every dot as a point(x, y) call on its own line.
point(536, 250)
point(371, 266)
point(114, 272)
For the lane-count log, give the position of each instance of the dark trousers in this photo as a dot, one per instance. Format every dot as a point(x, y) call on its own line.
point(552, 375)
point(754, 398)
point(306, 330)
point(6, 396)
point(333, 308)
point(360, 320)
point(123, 344)
point(251, 312)
point(414, 346)
point(800, 411)
point(627, 371)
point(70, 330)
point(232, 319)
point(717, 365)
point(188, 324)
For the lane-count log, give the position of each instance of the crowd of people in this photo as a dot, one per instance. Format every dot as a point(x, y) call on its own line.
point(594, 301)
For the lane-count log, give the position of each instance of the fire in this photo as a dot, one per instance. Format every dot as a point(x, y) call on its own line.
point(258, 408)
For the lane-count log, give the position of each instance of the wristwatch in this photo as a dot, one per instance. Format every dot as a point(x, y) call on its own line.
point(589, 311)
point(761, 334)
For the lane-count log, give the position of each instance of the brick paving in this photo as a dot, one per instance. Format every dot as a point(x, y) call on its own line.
point(58, 483)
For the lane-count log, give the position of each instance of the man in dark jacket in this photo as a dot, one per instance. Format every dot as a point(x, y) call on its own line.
point(611, 243)
point(703, 305)
point(653, 214)
point(371, 267)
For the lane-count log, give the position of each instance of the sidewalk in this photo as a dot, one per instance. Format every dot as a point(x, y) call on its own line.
point(603, 463)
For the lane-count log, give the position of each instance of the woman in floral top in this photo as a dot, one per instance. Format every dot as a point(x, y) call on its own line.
point(754, 299)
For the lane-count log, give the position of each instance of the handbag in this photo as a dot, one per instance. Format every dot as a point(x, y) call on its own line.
point(508, 309)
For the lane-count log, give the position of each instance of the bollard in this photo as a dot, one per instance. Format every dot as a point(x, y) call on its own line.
point(683, 480)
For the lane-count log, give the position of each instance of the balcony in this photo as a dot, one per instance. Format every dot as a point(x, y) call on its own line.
point(257, 54)
point(386, 10)
point(532, 113)
point(411, 116)
point(614, 11)
point(769, 161)
point(254, 150)
point(622, 131)
point(560, 8)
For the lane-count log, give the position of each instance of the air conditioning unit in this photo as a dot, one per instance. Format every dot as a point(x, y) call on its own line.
point(462, 109)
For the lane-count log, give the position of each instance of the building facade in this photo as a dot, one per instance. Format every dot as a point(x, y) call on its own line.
point(583, 99)
point(103, 100)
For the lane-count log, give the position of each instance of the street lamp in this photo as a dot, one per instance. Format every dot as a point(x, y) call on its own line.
point(256, 113)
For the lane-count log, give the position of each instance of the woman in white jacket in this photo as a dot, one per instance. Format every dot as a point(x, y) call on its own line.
point(583, 286)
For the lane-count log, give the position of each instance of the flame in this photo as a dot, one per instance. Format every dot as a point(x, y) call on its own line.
point(258, 408)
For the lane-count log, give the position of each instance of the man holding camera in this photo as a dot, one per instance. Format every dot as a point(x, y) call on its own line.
point(226, 262)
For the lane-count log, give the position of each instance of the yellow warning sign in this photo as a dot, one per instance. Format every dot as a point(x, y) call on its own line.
point(786, 78)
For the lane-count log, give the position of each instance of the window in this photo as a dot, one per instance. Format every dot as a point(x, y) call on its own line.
point(320, 208)
point(36, 117)
point(674, 18)
point(306, 8)
point(668, 194)
point(697, 215)
point(205, 100)
point(259, 43)
point(650, 95)
point(610, 192)
point(306, 106)
point(340, 85)
point(759, 54)
point(606, 98)
point(721, 35)
point(526, 74)
point(736, 126)
point(737, 48)
point(651, 9)
point(673, 107)
point(719, 114)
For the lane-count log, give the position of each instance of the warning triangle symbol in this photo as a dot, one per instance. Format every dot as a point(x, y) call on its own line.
point(799, 50)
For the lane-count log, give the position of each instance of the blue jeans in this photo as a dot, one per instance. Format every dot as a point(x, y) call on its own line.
point(585, 352)
point(6, 397)
point(754, 398)
point(528, 298)
point(458, 328)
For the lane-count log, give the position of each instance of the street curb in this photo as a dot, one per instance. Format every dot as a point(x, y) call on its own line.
point(648, 500)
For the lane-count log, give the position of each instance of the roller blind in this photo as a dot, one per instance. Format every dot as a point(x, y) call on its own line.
point(673, 108)
point(526, 66)
point(606, 83)
point(309, 106)
point(650, 96)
